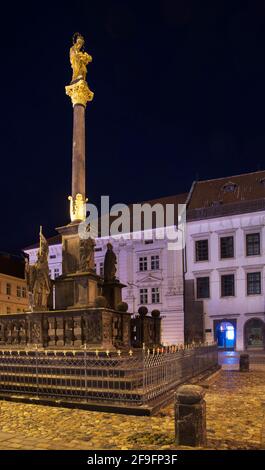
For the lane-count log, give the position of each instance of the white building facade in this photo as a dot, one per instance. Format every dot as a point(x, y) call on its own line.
point(225, 257)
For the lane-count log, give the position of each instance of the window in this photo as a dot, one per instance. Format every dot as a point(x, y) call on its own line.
point(202, 250)
point(56, 273)
point(203, 288)
point(19, 291)
point(8, 310)
point(229, 187)
point(143, 296)
point(253, 244)
point(155, 295)
point(227, 285)
point(155, 262)
point(8, 289)
point(98, 249)
point(101, 268)
point(227, 247)
point(148, 242)
point(24, 292)
point(143, 263)
point(52, 256)
point(18, 310)
point(253, 283)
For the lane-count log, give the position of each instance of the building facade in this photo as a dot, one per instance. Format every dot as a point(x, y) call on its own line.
point(225, 253)
point(13, 289)
point(223, 266)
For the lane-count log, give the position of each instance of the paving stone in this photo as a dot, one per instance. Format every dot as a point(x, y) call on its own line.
point(234, 421)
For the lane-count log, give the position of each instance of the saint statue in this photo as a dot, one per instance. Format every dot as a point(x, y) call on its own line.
point(110, 262)
point(37, 277)
point(86, 255)
point(78, 58)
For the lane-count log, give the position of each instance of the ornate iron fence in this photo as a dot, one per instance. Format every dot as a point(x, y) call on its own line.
point(128, 378)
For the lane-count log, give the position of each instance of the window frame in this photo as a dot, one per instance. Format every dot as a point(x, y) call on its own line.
point(249, 234)
point(155, 262)
point(196, 242)
point(143, 294)
point(234, 285)
point(222, 237)
point(8, 288)
point(197, 290)
point(155, 295)
point(250, 294)
point(142, 262)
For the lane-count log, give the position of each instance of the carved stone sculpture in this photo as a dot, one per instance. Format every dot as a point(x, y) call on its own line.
point(86, 255)
point(37, 277)
point(110, 262)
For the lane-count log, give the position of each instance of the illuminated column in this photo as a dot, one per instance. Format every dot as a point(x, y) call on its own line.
point(80, 94)
point(78, 155)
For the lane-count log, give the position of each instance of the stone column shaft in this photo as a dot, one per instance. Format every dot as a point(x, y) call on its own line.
point(78, 157)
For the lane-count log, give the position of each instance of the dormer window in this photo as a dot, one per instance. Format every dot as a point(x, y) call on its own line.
point(262, 181)
point(229, 187)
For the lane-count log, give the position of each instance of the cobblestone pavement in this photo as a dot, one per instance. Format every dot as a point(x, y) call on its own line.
point(234, 421)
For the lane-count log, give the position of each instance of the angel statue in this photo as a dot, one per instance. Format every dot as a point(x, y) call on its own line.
point(37, 277)
point(78, 58)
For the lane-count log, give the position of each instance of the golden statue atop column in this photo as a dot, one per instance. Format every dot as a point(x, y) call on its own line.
point(78, 90)
point(80, 94)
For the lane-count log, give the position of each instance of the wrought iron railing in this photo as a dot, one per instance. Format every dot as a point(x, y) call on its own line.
point(130, 378)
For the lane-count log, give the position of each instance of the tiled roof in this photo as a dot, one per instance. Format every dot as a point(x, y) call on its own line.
point(227, 196)
point(249, 186)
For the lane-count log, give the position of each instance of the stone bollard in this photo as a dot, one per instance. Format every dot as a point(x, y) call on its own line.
point(244, 363)
point(190, 416)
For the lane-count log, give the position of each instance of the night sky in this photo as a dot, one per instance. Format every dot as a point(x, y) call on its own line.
point(179, 95)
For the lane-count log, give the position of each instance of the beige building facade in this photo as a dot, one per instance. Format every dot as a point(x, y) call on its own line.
point(13, 294)
point(13, 288)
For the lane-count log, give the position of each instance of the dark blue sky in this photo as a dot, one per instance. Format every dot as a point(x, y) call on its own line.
point(179, 94)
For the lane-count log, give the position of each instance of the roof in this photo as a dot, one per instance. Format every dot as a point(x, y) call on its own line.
point(228, 195)
point(12, 265)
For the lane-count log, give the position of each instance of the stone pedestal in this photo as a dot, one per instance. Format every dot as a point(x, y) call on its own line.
point(76, 290)
point(190, 416)
point(111, 290)
point(70, 248)
point(244, 363)
point(97, 328)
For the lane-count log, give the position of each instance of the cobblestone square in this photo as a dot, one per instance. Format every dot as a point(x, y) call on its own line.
point(235, 420)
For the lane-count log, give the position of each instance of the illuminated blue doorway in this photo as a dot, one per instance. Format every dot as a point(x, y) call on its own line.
point(225, 333)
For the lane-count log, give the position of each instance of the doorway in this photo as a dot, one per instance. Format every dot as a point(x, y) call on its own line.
point(225, 333)
point(254, 334)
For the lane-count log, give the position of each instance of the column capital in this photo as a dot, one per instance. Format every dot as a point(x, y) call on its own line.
point(79, 92)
